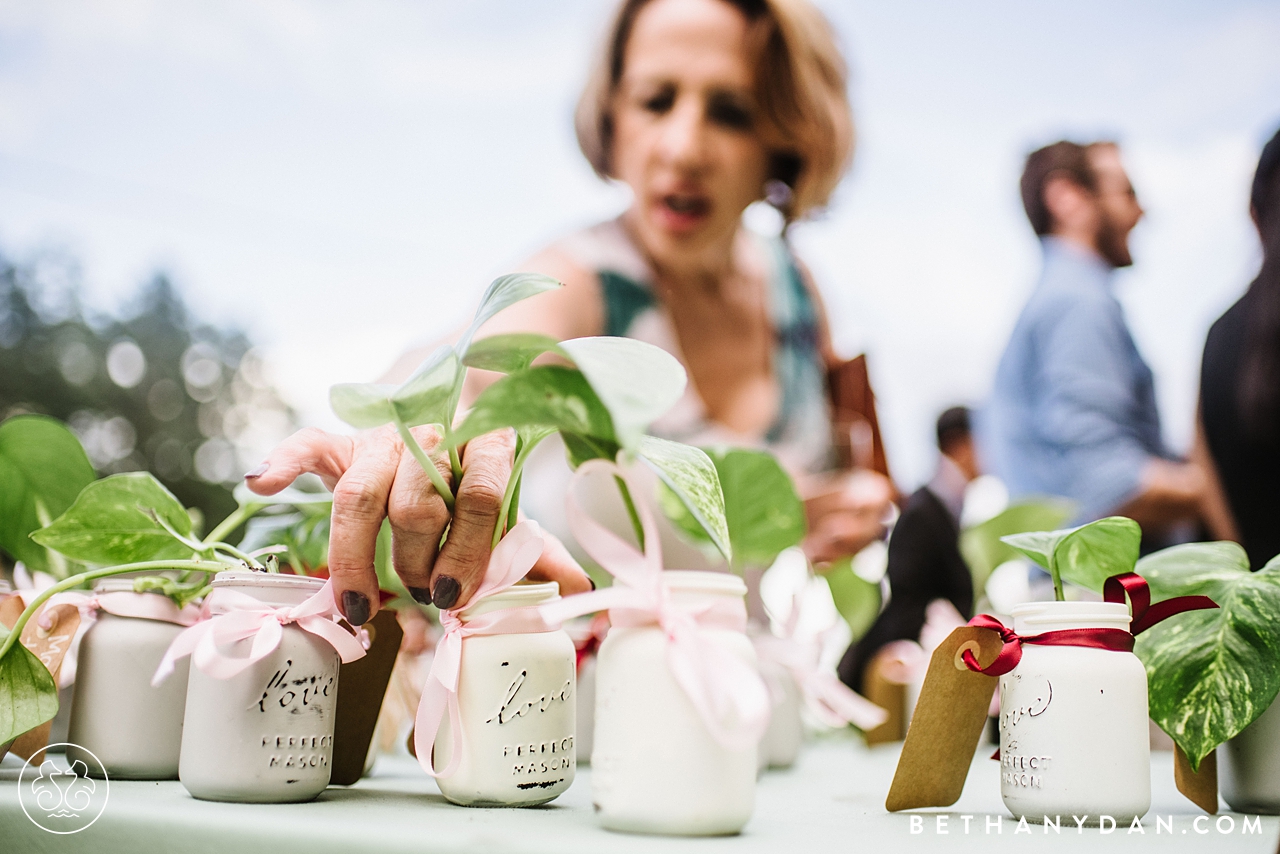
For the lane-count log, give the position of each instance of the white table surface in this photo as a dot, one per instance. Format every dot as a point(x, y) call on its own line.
point(831, 801)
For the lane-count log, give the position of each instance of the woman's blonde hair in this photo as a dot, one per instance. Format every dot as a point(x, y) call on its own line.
point(803, 114)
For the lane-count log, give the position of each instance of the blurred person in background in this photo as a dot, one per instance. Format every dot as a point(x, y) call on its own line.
point(1073, 409)
point(1238, 439)
point(701, 107)
point(924, 550)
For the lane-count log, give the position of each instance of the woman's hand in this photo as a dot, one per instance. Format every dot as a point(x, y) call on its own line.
point(373, 478)
point(845, 513)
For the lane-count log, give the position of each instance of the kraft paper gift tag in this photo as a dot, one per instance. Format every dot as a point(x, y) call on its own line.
point(50, 647)
point(362, 684)
point(888, 695)
point(947, 723)
point(1200, 787)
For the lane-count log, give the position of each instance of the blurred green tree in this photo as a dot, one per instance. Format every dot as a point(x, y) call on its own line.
point(154, 389)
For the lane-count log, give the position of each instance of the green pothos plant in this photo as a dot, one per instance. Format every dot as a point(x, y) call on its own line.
point(1210, 673)
point(125, 524)
point(601, 403)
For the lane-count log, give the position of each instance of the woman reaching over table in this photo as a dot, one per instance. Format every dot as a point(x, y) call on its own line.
point(701, 107)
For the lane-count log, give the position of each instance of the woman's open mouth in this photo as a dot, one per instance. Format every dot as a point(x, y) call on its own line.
point(682, 211)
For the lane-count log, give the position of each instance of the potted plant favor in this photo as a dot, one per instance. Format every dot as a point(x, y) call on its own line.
point(126, 551)
point(1073, 696)
point(495, 725)
point(765, 517)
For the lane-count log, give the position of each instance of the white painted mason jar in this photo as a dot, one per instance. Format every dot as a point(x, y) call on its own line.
point(1249, 766)
point(781, 743)
point(655, 768)
point(266, 734)
point(1073, 721)
point(135, 730)
point(516, 703)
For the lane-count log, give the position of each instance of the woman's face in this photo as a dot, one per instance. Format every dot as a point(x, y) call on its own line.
point(684, 126)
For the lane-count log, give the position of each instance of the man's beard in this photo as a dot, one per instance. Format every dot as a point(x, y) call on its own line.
point(1113, 243)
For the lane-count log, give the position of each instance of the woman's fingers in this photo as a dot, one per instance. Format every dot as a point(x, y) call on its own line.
point(556, 564)
point(359, 506)
point(486, 468)
point(418, 518)
point(311, 450)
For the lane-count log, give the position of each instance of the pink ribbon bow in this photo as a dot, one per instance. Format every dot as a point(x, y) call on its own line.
point(831, 701)
point(726, 692)
point(514, 556)
point(123, 603)
point(245, 617)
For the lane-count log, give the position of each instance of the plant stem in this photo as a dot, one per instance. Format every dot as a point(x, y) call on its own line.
point(511, 497)
point(631, 510)
point(1058, 593)
point(236, 553)
point(437, 479)
point(237, 518)
point(455, 462)
point(77, 580)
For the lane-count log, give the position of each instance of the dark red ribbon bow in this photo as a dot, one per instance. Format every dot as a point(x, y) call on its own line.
point(1145, 615)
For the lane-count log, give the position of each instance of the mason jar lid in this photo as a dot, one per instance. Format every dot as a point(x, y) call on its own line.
point(1037, 617)
point(522, 594)
point(703, 581)
point(266, 580)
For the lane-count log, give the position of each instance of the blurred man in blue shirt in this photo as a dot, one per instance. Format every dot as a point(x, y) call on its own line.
point(1073, 410)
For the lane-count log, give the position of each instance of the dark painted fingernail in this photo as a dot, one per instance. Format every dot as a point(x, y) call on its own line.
point(421, 595)
point(355, 607)
point(447, 590)
point(592, 581)
point(258, 472)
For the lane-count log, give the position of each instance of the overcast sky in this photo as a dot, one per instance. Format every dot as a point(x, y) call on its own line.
point(343, 179)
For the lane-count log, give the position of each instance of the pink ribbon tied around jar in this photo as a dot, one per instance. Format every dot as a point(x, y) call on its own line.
point(726, 692)
point(511, 560)
point(246, 617)
point(122, 603)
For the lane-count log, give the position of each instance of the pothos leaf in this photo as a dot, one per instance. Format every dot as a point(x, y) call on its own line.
point(507, 353)
point(1087, 555)
point(764, 513)
point(982, 547)
point(690, 474)
point(857, 600)
point(111, 522)
point(425, 397)
point(762, 510)
point(362, 405)
point(502, 293)
point(549, 396)
point(1211, 673)
point(28, 694)
point(42, 470)
point(578, 448)
point(636, 382)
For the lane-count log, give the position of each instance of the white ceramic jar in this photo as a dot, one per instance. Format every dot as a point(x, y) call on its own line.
point(780, 745)
point(655, 767)
point(266, 734)
point(516, 700)
point(1249, 766)
point(1073, 721)
point(135, 730)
